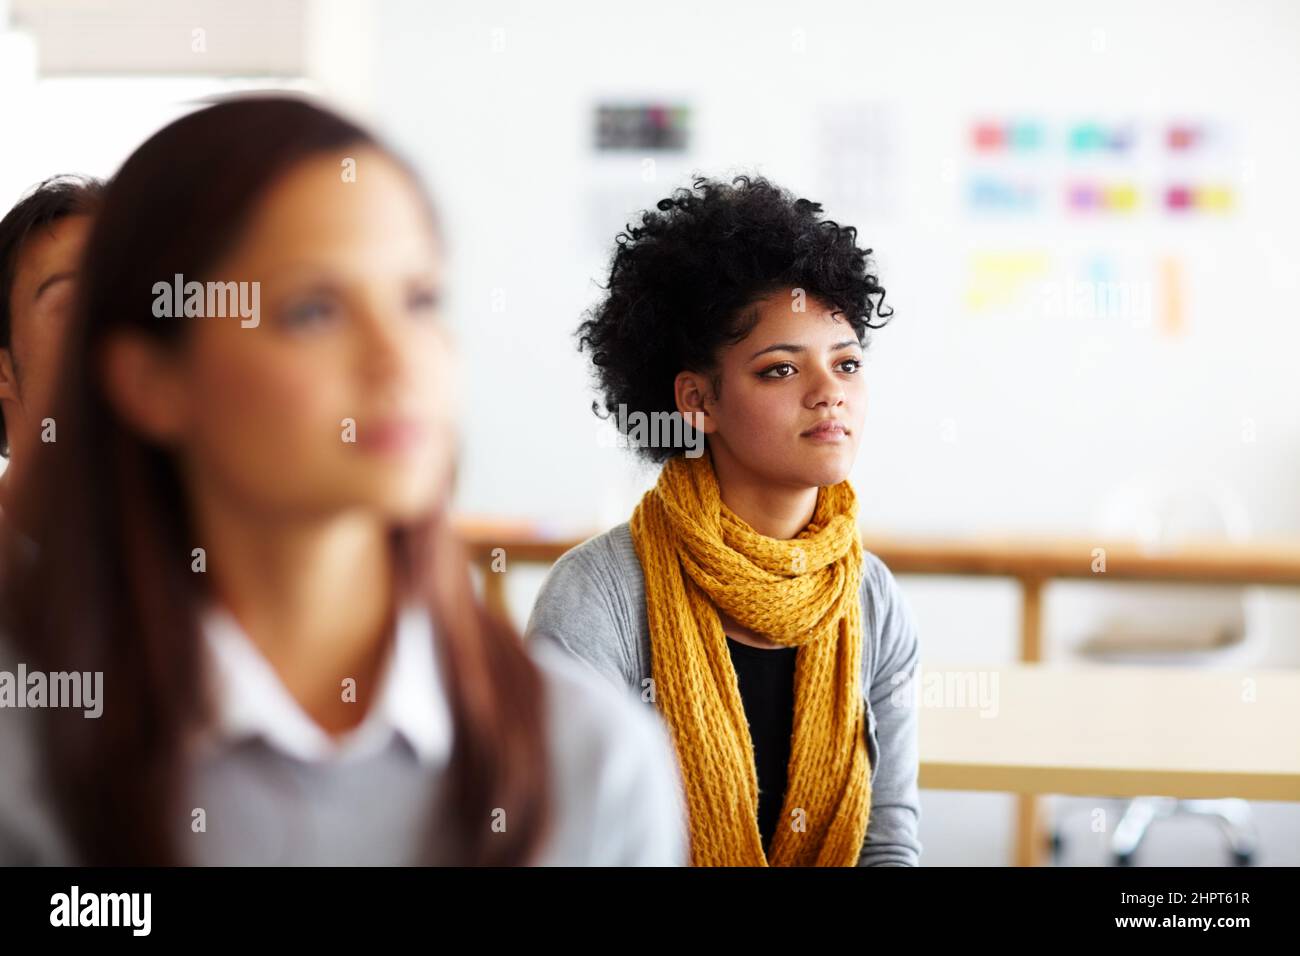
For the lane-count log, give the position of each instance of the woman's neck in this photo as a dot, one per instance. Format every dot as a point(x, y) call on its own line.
point(776, 511)
point(315, 596)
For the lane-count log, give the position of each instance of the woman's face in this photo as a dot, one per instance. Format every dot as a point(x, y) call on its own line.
point(793, 372)
point(339, 396)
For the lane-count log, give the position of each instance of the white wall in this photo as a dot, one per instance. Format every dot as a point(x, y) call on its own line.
point(1044, 411)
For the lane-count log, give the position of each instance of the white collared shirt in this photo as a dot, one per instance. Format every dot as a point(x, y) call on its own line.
point(250, 700)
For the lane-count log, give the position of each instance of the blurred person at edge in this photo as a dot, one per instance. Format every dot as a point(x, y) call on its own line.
point(41, 239)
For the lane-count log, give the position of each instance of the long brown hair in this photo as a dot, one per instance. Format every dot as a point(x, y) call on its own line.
point(111, 587)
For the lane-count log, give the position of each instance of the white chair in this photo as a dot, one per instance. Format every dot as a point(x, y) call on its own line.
point(1175, 625)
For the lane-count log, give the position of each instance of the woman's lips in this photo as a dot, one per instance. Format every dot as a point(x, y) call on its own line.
point(392, 436)
point(828, 431)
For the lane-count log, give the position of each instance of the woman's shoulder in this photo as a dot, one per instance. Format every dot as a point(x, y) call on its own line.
point(880, 589)
point(605, 566)
point(878, 582)
point(592, 603)
point(887, 619)
point(616, 776)
point(609, 558)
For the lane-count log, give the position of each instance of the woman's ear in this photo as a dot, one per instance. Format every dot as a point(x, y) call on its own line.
point(8, 377)
point(693, 392)
point(145, 385)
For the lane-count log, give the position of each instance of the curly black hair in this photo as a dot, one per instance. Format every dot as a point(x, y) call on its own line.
point(681, 282)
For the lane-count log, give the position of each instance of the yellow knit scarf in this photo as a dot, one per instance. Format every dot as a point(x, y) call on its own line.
point(696, 554)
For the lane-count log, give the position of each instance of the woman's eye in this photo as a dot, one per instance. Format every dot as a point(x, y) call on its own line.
point(423, 301)
point(771, 371)
point(856, 363)
point(308, 312)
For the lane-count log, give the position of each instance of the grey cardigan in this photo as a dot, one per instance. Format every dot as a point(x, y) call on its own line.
point(593, 604)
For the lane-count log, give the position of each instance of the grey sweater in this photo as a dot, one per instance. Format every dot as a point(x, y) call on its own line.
point(592, 603)
point(615, 797)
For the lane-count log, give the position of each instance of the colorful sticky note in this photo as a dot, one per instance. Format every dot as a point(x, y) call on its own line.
point(1214, 198)
point(987, 136)
point(1178, 198)
point(1172, 317)
point(1121, 197)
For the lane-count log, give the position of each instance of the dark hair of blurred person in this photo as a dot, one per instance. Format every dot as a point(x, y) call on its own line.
point(41, 239)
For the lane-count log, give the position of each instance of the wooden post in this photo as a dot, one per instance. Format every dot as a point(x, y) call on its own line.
point(1031, 620)
point(494, 590)
point(1031, 830)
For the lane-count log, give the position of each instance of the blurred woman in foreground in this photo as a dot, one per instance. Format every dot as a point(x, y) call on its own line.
point(242, 525)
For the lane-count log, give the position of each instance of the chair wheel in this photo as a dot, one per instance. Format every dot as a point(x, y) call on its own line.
point(1242, 858)
point(1123, 859)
